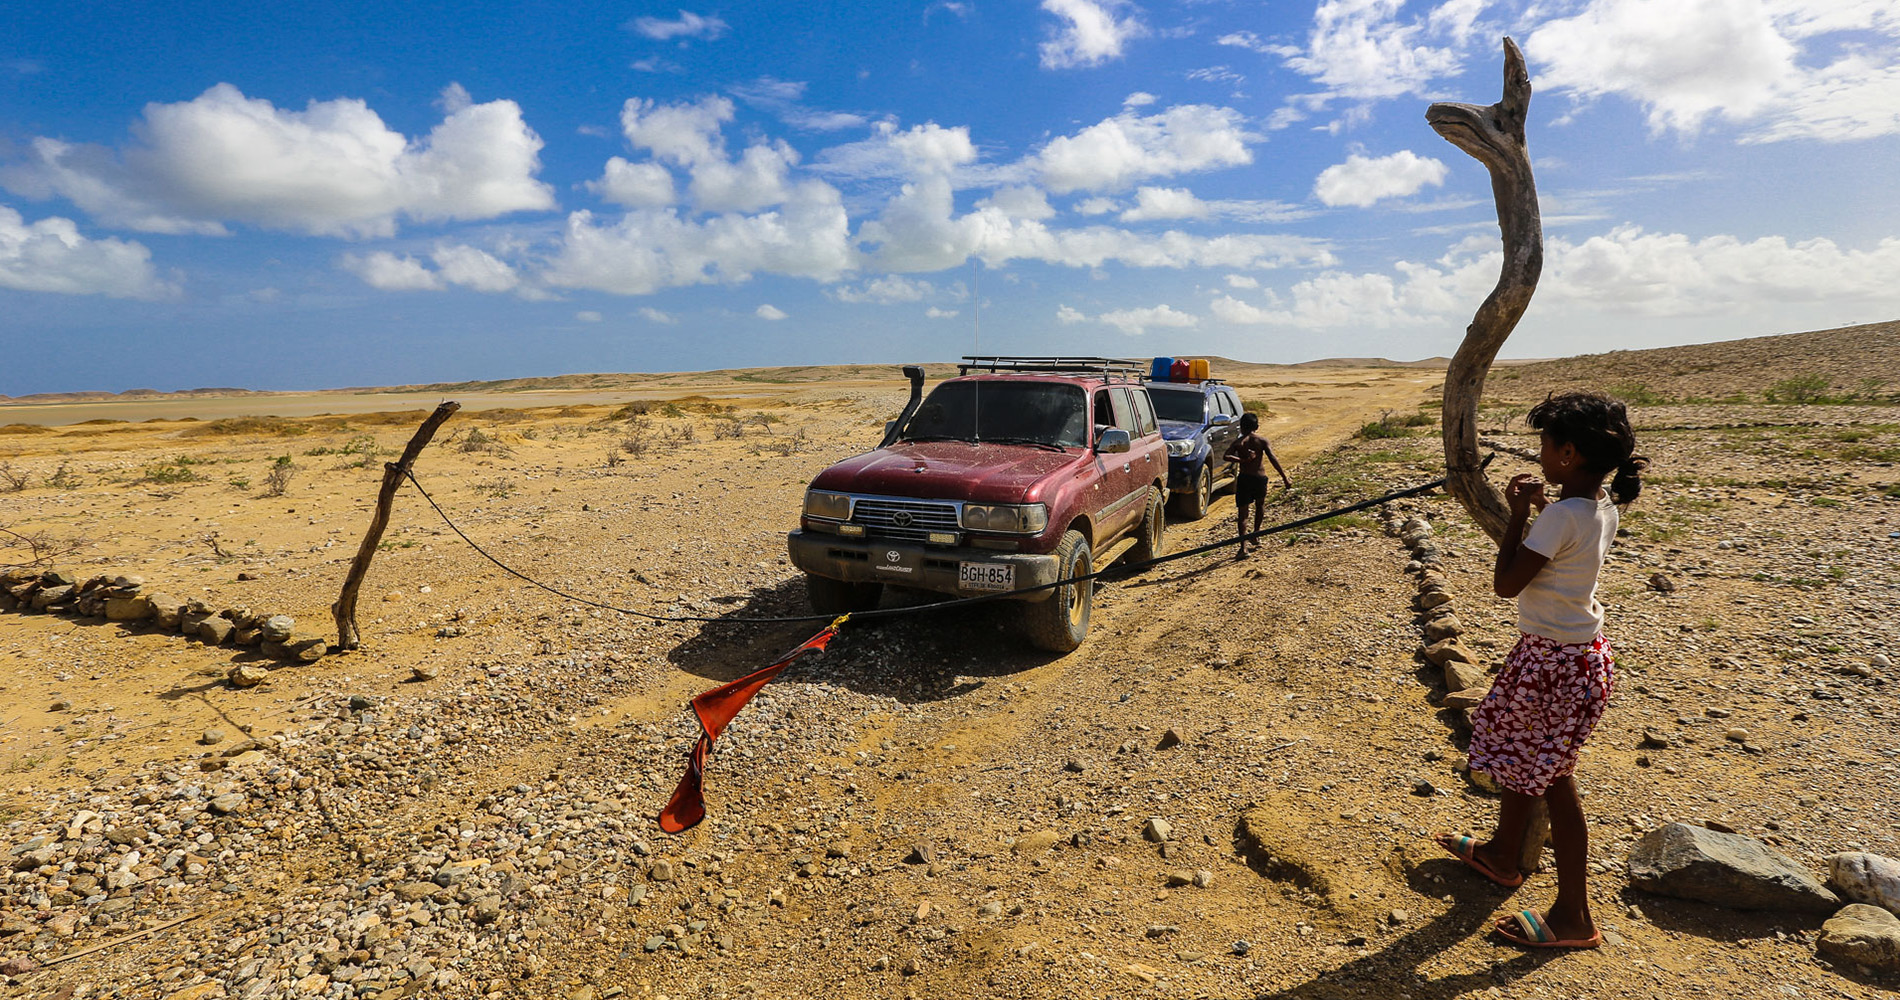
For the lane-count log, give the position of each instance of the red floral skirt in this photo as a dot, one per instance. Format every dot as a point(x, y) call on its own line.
point(1528, 731)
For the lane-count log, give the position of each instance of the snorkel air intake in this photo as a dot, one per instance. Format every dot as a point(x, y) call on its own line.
point(916, 375)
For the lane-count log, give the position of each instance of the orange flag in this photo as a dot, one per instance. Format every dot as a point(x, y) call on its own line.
point(715, 709)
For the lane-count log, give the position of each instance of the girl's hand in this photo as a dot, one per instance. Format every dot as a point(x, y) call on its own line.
point(1524, 492)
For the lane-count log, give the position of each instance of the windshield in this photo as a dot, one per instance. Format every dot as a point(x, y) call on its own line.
point(1179, 404)
point(1006, 412)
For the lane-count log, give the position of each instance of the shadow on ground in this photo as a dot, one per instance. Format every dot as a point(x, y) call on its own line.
point(926, 656)
point(1396, 968)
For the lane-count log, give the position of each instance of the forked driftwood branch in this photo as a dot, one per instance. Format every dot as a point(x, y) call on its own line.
point(344, 609)
point(1494, 136)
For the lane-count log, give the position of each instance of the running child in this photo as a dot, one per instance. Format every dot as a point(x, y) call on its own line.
point(1555, 684)
point(1250, 449)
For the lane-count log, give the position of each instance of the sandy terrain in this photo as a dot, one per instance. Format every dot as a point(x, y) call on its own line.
point(489, 831)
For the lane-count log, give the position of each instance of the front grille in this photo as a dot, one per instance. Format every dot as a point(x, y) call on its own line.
point(882, 517)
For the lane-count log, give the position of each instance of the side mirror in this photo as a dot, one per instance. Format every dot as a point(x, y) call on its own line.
point(1113, 441)
point(1221, 420)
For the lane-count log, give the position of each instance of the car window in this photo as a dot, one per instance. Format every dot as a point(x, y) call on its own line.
point(1032, 412)
point(1179, 405)
point(1144, 410)
point(1124, 412)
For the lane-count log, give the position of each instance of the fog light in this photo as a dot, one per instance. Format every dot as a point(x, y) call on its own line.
point(851, 530)
point(941, 538)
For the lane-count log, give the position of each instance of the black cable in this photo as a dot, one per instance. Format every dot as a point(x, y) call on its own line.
point(1123, 570)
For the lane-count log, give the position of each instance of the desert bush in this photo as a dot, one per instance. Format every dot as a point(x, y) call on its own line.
point(178, 470)
point(231, 426)
point(41, 546)
point(239, 482)
point(1636, 394)
point(277, 480)
point(613, 458)
point(500, 489)
point(1799, 389)
point(728, 429)
point(637, 408)
point(63, 478)
point(634, 444)
point(681, 434)
point(1391, 426)
point(1256, 406)
point(10, 480)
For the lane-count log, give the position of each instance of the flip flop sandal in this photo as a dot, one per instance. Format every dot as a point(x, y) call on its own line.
point(1527, 929)
point(1465, 849)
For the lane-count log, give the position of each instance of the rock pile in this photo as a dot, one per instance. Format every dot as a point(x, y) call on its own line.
point(125, 599)
point(1440, 623)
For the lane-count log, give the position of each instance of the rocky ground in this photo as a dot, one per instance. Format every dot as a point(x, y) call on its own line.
point(1226, 792)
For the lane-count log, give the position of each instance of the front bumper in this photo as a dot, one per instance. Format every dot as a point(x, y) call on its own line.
point(909, 564)
point(1184, 470)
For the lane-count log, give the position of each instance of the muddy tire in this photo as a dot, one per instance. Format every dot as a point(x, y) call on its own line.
point(1149, 540)
point(836, 597)
point(1192, 505)
point(1060, 623)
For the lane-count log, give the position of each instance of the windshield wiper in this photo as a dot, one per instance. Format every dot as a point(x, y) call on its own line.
point(937, 437)
point(1032, 442)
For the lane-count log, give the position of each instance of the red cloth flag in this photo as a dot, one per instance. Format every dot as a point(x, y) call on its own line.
point(715, 710)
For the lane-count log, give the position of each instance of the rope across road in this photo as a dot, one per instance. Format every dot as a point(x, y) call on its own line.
point(1120, 570)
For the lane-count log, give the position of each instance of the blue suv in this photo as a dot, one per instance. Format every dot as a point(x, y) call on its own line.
point(1198, 421)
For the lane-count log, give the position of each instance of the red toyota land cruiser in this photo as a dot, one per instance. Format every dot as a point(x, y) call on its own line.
point(1017, 473)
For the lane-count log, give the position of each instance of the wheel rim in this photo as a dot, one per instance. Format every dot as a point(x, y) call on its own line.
point(1207, 486)
point(1078, 603)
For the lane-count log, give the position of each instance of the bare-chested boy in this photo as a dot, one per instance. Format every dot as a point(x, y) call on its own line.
point(1251, 488)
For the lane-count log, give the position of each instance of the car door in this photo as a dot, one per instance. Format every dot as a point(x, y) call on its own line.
point(1154, 457)
point(1112, 501)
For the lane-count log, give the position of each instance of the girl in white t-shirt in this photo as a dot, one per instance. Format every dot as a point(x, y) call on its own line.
point(1555, 684)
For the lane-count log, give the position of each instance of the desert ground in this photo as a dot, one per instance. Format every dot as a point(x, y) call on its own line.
point(464, 806)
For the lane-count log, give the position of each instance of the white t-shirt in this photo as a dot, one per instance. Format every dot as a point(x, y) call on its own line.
point(1560, 602)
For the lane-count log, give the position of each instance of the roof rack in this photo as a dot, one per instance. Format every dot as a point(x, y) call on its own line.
point(1205, 381)
point(1122, 367)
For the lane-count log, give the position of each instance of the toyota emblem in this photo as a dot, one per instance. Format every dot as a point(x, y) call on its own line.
point(892, 556)
point(901, 519)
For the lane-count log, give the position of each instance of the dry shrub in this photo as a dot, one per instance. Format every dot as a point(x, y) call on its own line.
point(10, 480)
point(728, 428)
point(278, 478)
point(634, 444)
point(262, 426)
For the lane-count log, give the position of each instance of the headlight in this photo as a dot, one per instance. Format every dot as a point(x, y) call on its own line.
point(1019, 518)
point(835, 506)
point(1185, 446)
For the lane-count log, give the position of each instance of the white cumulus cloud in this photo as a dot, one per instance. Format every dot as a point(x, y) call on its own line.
point(687, 25)
point(653, 315)
point(886, 290)
point(769, 311)
point(1364, 50)
point(1781, 69)
point(391, 273)
point(1363, 180)
point(1129, 148)
point(51, 256)
point(332, 169)
point(1091, 33)
point(1132, 322)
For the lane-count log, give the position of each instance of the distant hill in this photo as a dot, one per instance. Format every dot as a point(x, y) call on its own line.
point(1850, 363)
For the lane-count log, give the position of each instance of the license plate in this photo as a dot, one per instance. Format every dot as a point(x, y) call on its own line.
point(986, 576)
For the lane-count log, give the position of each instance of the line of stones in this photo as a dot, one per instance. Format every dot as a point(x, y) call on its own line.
point(125, 599)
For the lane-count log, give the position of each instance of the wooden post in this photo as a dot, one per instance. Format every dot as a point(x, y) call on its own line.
point(345, 607)
point(1494, 136)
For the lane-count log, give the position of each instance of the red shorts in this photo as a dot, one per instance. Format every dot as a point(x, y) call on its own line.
point(1550, 695)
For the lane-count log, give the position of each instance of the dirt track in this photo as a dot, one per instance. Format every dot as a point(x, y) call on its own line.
point(556, 730)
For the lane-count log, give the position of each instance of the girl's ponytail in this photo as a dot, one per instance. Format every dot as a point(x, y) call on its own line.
point(1628, 483)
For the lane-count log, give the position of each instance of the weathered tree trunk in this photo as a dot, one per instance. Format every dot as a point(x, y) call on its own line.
point(1494, 136)
point(344, 609)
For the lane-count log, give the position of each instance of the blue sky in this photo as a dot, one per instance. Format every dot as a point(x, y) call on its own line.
point(362, 194)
